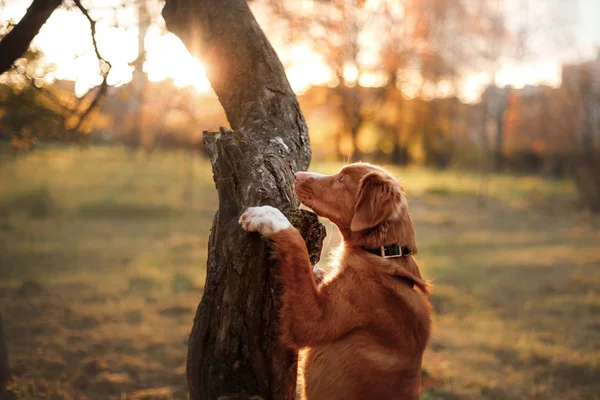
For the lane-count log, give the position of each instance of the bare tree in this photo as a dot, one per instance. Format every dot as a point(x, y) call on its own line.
point(15, 44)
point(393, 44)
point(539, 27)
point(234, 348)
point(17, 41)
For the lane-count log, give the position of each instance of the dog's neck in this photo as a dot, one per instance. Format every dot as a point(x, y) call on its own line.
point(403, 269)
point(390, 251)
point(398, 231)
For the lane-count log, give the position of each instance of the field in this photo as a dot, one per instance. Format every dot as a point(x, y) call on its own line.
point(103, 251)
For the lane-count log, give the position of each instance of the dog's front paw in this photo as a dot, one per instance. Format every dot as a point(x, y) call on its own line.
point(266, 220)
point(318, 273)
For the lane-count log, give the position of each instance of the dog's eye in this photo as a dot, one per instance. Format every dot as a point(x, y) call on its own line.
point(341, 179)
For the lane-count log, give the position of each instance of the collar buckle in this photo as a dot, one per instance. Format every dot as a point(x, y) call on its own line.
point(394, 251)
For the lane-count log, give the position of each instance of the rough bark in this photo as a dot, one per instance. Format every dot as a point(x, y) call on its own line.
point(234, 349)
point(17, 41)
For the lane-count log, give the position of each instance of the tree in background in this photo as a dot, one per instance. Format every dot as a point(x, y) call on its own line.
point(136, 115)
point(398, 48)
point(16, 42)
point(522, 31)
point(32, 109)
point(582, 90)
point(27, 104)
point(26, 113)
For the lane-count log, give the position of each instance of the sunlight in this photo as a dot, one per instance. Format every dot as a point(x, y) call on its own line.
point(471, 86)
point(305, 67)
point(372, 79)
point(350, 73)
point(537, 73)
point(303, 76)
point(167, 57)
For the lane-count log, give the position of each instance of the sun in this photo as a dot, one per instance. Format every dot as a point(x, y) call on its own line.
point(167, 57)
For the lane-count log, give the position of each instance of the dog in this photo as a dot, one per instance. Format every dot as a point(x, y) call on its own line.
point(365, 327)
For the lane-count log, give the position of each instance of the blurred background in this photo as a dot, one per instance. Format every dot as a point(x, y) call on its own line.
point(488, 111)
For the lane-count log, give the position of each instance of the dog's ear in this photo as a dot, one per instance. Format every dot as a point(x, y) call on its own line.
point(379, 197)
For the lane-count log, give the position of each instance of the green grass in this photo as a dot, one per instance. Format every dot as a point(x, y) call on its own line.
point(118, 242)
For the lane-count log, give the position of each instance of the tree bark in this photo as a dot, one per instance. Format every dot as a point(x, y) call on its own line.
point(17, 41)
point(234, 348)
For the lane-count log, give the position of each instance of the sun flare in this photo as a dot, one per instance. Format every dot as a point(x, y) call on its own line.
point(168, 58)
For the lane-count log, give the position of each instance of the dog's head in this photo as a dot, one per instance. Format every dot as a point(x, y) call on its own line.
point(366, 203)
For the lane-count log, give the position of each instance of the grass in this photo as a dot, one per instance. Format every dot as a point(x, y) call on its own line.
point(102, 257)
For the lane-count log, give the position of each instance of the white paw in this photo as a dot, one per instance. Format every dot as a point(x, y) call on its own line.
point(266, 220)
point(318, 273)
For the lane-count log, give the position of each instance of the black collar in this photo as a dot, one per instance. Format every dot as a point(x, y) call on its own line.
point(390, 251)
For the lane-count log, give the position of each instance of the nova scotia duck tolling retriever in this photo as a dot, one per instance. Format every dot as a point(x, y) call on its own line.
point(363, 329)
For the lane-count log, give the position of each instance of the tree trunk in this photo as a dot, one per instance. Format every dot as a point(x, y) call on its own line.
point(234, 349)
point(499, 147)
point(399, 154)
point(16, 42)
point(139, 82)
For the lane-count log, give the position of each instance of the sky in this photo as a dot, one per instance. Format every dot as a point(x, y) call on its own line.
point(65, 41)
point(588, 28)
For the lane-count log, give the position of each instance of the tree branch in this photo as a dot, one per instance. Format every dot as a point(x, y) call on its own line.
point(105, 67)
point(215, 29)
point(49, 94)
point(17, 41)
point(85, 12)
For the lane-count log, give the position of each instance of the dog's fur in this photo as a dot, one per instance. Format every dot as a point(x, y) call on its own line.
point(365, 327)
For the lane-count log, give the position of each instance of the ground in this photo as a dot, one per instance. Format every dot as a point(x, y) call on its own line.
point(102, 262)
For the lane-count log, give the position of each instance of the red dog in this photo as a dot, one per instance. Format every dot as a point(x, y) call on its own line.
point(366, 326)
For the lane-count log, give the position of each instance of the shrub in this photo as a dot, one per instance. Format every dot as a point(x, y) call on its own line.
point(37, 203)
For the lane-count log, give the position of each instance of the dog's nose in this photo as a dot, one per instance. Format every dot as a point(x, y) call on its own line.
point(301, 176)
